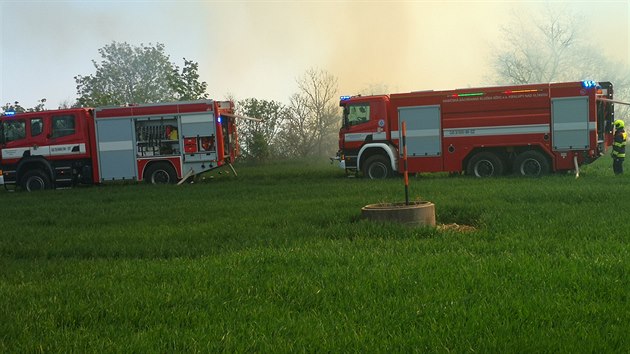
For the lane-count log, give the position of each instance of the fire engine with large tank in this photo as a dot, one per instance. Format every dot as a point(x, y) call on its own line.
point(529, 130)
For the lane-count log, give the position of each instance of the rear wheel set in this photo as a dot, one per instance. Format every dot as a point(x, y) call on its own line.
point(529, 163)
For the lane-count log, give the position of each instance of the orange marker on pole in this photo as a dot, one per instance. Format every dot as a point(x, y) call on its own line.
point(404, 144)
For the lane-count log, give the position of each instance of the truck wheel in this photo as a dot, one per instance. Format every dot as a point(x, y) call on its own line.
point(377, 167)
point(531, 164)
point(485, 164)
point(35, 180)
point(160, 173)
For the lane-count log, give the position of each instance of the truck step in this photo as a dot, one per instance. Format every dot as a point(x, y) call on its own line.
point(10, 186)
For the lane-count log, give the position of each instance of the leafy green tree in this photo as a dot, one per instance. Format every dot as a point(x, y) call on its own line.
point(13, 107)
point(17, 108)
point(186, 84)
point(144, 74)
point(259, 139)
point(67, 104)
point(258, 147)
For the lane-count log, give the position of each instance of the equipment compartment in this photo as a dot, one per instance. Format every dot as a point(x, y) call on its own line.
point(157, 137)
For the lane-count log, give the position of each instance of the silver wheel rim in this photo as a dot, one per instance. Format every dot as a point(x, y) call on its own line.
point(531, 167)
point(377, 170)
point(35, 183)
point(484, 168)
point(160, 177)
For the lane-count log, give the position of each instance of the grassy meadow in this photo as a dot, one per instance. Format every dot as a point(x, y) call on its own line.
point(279, 260)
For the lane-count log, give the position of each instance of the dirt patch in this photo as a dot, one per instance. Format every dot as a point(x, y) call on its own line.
point(456, 227)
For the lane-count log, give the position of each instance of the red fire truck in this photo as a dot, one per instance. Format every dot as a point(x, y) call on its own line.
point(156, 143)
point(528, 130)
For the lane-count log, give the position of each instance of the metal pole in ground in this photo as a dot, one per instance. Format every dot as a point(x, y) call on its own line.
point(404, 144)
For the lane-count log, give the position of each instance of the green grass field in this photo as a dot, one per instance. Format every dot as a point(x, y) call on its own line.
point(278, 260)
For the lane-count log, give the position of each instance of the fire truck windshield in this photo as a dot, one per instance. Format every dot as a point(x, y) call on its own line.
point(356, 114)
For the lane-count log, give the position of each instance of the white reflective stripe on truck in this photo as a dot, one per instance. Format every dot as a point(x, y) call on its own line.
point(573, 126)
point(52, 150)
point(417, 133)
point(362, 136)
point(497, 130)
point(116, 145)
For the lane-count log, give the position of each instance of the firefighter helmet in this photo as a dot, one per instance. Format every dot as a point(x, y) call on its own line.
point(619, 124)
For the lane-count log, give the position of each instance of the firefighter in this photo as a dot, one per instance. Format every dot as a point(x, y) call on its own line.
point(619, 147)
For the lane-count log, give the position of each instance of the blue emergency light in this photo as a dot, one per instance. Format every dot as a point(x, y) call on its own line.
point(9, 113)
point(344, 98)
point(219, 119)
point(589, 84)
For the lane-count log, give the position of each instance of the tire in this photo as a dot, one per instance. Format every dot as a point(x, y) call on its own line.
point(35, 180)
point(377, 167)
point(485, 164)
point(531, 164)
point(160, 173)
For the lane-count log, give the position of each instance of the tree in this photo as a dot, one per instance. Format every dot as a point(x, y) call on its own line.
point(298, 134)
point(17, 108)
point(374, 89)
point(314, 115)
point(537, 49)
point(549, 47)
point(67, 104)
point(258, 139)
point(187, 85)
point(258, 147)
point(144, 74)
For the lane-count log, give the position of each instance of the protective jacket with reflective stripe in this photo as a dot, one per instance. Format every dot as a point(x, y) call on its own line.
point(619, 145)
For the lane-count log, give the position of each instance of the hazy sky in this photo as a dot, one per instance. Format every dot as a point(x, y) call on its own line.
point(259, 48)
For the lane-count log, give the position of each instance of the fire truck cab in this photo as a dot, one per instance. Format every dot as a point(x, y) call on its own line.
point(529, 130)
point(46, 147)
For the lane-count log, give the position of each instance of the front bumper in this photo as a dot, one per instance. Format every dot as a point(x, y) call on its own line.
point(342, 163)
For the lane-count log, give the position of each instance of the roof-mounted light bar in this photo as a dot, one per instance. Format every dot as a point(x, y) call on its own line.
point(589, 84)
